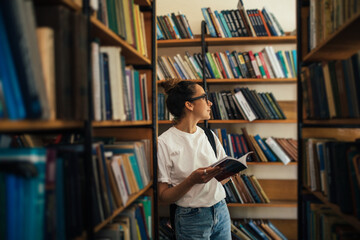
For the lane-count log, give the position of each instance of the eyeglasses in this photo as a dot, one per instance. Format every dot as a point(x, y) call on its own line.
point(204, 96)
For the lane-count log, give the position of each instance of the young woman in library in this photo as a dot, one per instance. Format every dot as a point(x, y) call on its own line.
point(184, 154)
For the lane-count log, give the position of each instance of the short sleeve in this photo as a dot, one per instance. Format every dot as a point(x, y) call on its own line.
point(164, 165)
point(219, 148)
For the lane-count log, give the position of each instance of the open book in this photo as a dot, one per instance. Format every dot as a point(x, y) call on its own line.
point(231, 166)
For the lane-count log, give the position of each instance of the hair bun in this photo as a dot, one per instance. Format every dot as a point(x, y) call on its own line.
point(168, 85)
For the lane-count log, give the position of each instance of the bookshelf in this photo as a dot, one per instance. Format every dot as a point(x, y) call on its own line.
point(340, 44)
point(88, 130)
point(283, 209)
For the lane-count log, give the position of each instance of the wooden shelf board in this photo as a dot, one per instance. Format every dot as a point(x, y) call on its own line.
point(179, 42)
point(68, 3)
point(250, 40)
point(132, 198)
point(348, 218)
point(271, 163)
point(341, 134)
point(38, 125)
point(100, 124)
point(342, 44)
point(273, 203)
point(225, 41)
point(143, 3)
point(244, 80)
point(109, 38)
point(239, 121)
point(333, 122)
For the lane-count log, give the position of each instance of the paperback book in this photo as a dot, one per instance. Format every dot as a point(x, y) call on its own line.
point(231, 166)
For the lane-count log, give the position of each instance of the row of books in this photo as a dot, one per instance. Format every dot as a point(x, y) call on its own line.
point(241, 22)
point(265, 64)
point(44, 72)
point(240, 229)
point(323, 223)
point(132, 223)
point(252, 229)
point(119, 92)
point(126, 20)
point(242, 188)
point(41, 192)
point(121, 169)
point(173, 26)
point(337, 87)
point(324, 18)
point(269, 149)
point(243, 104)
point(332, 167)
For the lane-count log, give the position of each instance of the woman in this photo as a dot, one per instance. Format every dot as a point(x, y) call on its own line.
point(184, 154)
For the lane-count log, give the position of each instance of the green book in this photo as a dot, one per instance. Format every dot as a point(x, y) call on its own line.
point(213, 65)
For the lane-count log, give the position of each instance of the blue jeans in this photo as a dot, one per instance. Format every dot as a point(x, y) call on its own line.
point(203, 222)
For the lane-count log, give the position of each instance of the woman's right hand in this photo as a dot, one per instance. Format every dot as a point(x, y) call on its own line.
point(203, 175)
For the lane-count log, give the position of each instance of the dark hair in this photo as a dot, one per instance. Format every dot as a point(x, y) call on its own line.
point(178, 93)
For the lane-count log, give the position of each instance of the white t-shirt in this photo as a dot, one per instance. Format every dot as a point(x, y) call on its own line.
point(179, 154)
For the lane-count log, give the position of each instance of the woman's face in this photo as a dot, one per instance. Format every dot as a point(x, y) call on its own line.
point(202, 106)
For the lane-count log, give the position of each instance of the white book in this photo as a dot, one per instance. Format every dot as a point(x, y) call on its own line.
point(226, 65)
point(277, 62)
point(277, 30)
point(196, 66)
point(168, 67)
point(177, 60)
point(95, 59)
point(159, 73)
point(190, 65)
point(273, 61)
point(145, 92)
point(277, 150)
point(245, 106)
point(116, 89)
point(46, 43)
point(186, 67)
point(116, 162)
point(268, 64)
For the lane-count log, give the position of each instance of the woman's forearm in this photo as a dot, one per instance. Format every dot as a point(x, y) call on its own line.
point(173, 194)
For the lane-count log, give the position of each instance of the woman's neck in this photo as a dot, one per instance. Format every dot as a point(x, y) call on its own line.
point(186, 125)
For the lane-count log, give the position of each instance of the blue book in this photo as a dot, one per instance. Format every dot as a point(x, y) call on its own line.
point(141, 223)
point(207, 63)
point(293, 54)
point(12, 207)
point(187, 25)
point(288, 59)
point(269, 106)
point(174, 26)
point(269, 155)
point(108, 110)
point(276, 230)
point(235, 71)
point(251, 188)
point(9, 79)
point(222, 28)
point(179, 70)
point(256, 229)
point(208, 22)
point(224, 23)
point(269, 23)
point(225, 141)
point(159, 34)
point(281, 63)
point(246, 231)
point(138, 108)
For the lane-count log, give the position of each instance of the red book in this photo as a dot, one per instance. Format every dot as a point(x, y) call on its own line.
point(254, 64)
point(221, 65)
point(264, 65)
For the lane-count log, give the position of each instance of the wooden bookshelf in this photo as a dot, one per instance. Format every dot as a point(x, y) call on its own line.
point(348, 218)
point(225, 41)
point(108, 37)
point(100, 124)
point(332, 122)
point(341, 44)
point(132, 198)
point(244, 80)
point(143, 3)
point(38, 125)
point(273, 203)
point(340, 134)
point(272, 163)
point(250, 40)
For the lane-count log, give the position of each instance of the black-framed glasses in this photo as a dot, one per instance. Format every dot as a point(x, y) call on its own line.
point(204, 96)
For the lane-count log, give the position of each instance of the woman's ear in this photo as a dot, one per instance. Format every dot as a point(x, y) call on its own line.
point(189, 106)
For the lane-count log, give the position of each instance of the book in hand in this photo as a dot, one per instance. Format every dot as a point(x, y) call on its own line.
point(231, 166)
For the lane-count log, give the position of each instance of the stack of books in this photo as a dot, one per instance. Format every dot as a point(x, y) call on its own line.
point(119, 92)
point(255, 229)
point(173, 27)
point(241, 22)
point(126, 20)
point(242, 188)
point(337, 87)
point(270, 149)
point(266, 64)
